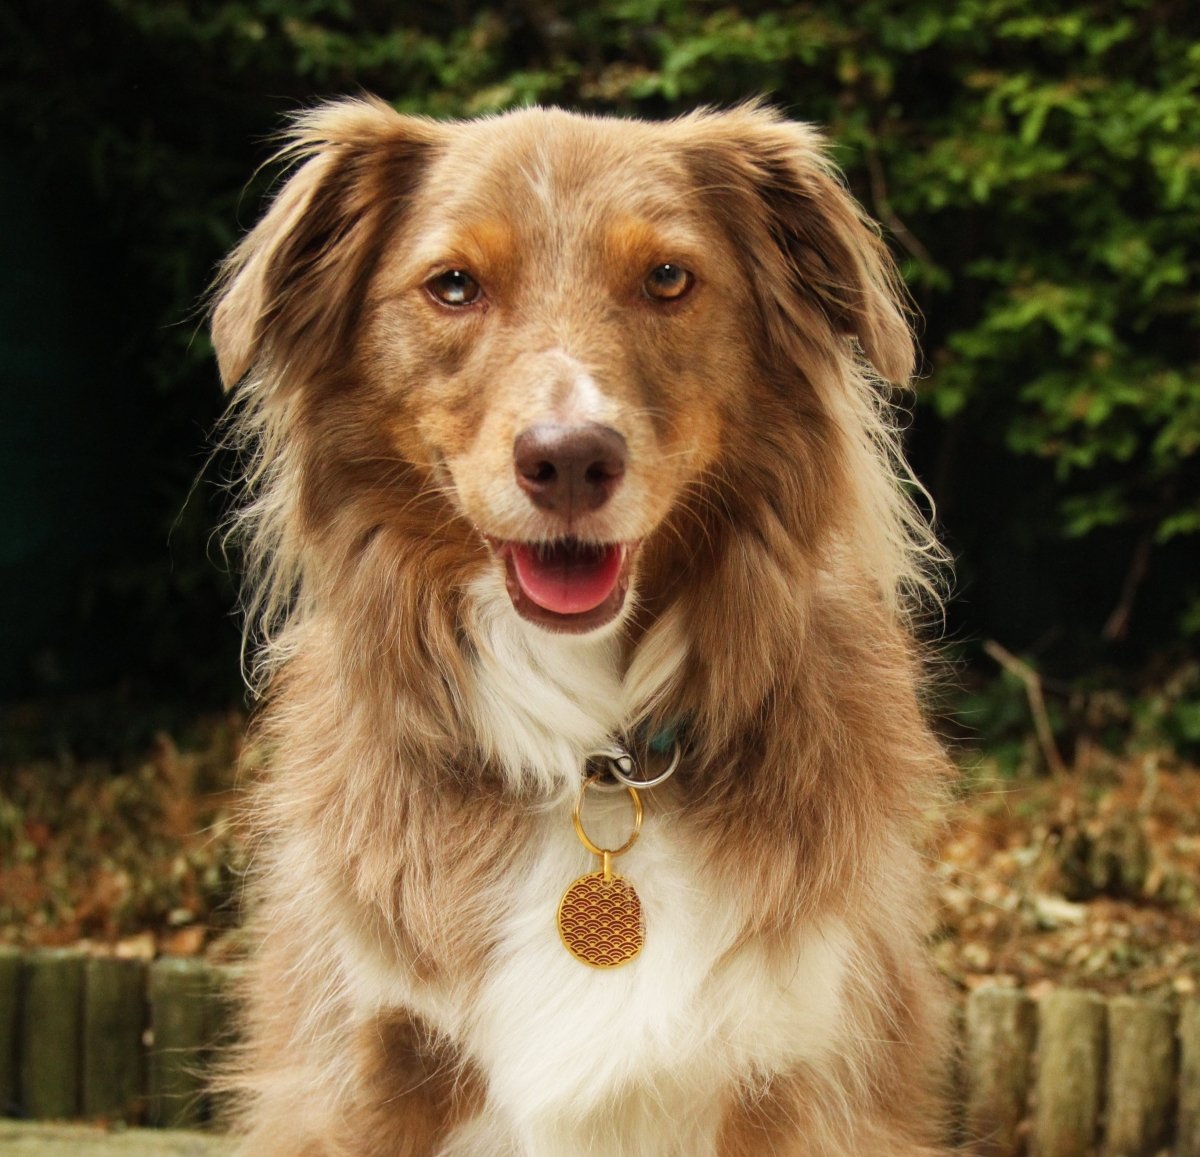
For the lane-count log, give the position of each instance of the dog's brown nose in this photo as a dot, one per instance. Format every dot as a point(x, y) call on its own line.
point(569, 469)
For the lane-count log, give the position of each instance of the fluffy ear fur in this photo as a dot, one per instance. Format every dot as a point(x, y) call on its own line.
point(290, 290)
point(826, 250)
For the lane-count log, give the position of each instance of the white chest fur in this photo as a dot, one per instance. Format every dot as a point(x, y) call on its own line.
point(628, 1062)
point(539, 701)
point(632, 1060)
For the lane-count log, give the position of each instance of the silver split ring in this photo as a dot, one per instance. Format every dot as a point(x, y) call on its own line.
point(621, 767)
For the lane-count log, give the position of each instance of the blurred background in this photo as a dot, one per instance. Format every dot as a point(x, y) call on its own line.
point(1036, 168)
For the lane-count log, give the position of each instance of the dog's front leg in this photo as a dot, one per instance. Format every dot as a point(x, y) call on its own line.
point(318, 1079)
point(806, 1114)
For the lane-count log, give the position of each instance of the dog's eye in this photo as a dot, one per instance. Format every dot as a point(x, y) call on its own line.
point(455, 287)
point(668, 282)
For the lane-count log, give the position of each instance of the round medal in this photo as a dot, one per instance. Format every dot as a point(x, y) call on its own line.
point(600, 921)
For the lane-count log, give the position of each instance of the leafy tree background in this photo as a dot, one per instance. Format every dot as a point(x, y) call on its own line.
point(1036, 167)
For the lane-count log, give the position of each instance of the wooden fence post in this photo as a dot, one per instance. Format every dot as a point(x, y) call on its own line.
point(222, 1037)
point(10, 1014)
point(1141, 1077)
point(181, 996)
point(1070, 1074)
point(1187, 1134)
point(1001, 1026)
point(51, 1033)
point(114, 1020)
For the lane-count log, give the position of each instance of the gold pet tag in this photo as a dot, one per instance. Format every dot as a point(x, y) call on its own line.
point(600, 915)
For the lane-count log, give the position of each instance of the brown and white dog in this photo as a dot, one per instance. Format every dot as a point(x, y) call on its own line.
point(561, 431)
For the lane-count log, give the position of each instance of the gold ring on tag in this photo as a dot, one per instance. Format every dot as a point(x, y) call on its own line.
point(585, 839)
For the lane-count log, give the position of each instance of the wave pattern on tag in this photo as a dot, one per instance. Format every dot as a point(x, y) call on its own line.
point(600, 921)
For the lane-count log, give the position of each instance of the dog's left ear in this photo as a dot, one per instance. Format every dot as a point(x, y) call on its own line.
point(808, 239)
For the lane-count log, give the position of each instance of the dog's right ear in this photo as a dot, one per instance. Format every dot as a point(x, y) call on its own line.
point(292, 288)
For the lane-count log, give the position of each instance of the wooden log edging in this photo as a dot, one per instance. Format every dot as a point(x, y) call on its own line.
point(101, 1037)
point(10, 1018)
point(114, 1014)
point(1142, 1077)
point(51, 1034)
point(1001, 1028)
point(1069, 1075)
point(183, 996)
point(1187, 1137)
point(1075, 1075)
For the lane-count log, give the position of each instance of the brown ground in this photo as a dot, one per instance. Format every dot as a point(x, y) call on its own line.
point(1090, 879)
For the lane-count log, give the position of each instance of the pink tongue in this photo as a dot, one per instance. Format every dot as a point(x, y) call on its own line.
point(567, 581)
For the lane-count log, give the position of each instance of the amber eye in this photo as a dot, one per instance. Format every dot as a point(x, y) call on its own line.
point(455, 287)
point(668, 282)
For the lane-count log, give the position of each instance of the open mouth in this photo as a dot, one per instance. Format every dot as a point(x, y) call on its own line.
point(566, 585)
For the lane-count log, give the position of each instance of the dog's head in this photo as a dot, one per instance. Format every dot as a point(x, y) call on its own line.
point(543, 335)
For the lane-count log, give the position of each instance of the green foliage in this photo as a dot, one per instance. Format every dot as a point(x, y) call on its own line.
point(1035, 165)
point(1093, 336)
